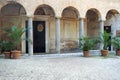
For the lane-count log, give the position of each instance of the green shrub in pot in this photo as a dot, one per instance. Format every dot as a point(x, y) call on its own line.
point(116, 44)
point(86, 44)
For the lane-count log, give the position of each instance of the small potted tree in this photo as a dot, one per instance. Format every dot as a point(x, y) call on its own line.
point(7, 47)
point(87, 44)
point(116, 44)
point(105, 39)
point(15, 34)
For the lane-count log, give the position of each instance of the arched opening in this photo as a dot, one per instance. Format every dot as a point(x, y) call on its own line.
point(111, 13)
point(112, 18)
point(12, 14)
point(43, 29)
point(44, 10)
point(92, 17)
point(70, 12)
point(112, 23)
point(92, 24)
point(13, 10)
point(69, 30)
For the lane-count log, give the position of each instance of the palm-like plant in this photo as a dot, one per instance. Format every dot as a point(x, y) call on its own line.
point(105, 39)
point(15, 34)
point(87, 43)
point(116, 43)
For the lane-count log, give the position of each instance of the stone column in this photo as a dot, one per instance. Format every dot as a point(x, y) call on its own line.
point(81, 27)
point(101, 32)
point(113, 31)
point(23, 43)
point(47, 37)
point(30, 35)
point(57, 35)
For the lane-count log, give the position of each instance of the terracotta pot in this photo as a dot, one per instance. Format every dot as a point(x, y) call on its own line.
point(7, 55)
point(118, 52)
point(86, 53)
point(16, 54)
point(104, 53)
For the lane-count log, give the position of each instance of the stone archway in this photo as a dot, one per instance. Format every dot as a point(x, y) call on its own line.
point(69, 30)
point(44, 10)
point(93, 24)
point(92, 19)
point(44, 15)
point(112, 23)
point(11, 14)
point(112, 20)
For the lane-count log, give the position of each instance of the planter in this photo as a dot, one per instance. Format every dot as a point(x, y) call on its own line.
point(7, 55)
point(104, 53)
point(118, 52)
point(16, 54)
point(86, 53)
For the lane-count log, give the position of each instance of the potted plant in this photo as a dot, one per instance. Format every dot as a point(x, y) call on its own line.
point(105, 39)
point(87, 44)
point(7, 46)
point(15, 34)
point(116, 44)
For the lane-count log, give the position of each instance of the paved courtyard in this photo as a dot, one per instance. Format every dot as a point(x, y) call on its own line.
point(60, 68)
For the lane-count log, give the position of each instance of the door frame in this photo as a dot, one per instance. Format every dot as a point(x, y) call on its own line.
point(46, 35)
point(47, 40)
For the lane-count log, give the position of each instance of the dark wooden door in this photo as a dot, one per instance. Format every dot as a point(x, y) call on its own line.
point(108, 30)
point(38, 36)
point(27, 37)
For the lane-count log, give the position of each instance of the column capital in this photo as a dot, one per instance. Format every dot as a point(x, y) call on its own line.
point(80, 18)
point(57, 17)
point(101, 20)
point(30, 16)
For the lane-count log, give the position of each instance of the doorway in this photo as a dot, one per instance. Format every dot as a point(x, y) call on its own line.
point(38, 37)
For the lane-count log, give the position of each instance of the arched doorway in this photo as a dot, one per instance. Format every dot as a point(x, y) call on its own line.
point(111, 24)
point(112, 19)
point(11, 14)
point(92, 20)
point(43, 16)
point(69, 30)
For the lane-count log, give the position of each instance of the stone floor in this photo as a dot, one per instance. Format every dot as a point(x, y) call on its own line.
point(73, 67)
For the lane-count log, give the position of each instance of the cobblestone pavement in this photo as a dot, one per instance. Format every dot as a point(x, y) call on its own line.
point(60, 68)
